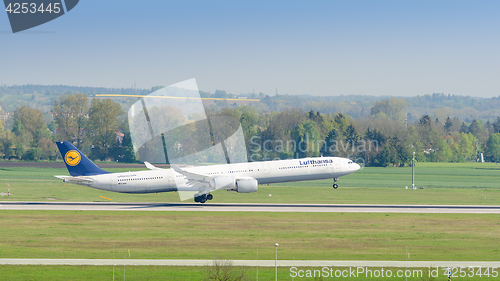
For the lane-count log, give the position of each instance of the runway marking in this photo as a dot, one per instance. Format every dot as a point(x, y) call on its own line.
point(251, 207)
point(262, 263)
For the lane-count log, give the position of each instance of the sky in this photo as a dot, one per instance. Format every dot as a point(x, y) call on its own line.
point(395, 48)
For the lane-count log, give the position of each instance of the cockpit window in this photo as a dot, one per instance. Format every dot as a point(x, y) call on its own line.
point(350, 162)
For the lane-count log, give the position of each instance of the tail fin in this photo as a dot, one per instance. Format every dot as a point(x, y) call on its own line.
point(76, 162)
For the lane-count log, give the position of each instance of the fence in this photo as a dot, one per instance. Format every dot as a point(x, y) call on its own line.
point(393, 184)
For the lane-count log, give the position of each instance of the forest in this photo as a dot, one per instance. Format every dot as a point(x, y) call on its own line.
point(382, 131)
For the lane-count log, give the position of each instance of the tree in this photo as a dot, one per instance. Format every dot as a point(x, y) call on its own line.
point(280, 127)
point(70, 115)
point(393, 108)
point(467, 146)
point(473, 127)
point(123, 150)
point(375, 135)
point(448, 124)
point(425, 122)
point(330, 142)
point(223, 270)
point(496, 125)
point(386, 156)
point(442, 151)
point(401, 153)
point(493, 147)
point(463, 128)
point(7, 140)
point(103, 123)
point(48, 150)
point(341, 123)
point(351, 135)
point(29, 125)
point(80, 111)
point(306, 136)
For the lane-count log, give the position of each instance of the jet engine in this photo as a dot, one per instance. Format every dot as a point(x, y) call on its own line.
point(246, 186)
point(223, 183)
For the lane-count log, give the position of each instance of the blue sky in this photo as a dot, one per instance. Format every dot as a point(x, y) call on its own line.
point(397, 48)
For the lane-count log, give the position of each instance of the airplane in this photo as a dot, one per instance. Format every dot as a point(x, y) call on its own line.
point(240, 177)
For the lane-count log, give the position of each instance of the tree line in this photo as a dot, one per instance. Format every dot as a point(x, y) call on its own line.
point(99, 128)
point(96, 127)
point(385, 138)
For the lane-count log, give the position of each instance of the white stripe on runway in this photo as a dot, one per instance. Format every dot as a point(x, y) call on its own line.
point(252, 263)
point(252, 207)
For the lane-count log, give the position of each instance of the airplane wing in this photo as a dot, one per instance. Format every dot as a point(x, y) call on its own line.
point(190, 175)
point(195, 178)
point(76, 180)
point(151, 166)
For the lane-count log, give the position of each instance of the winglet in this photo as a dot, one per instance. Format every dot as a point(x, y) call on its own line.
point(151, 166)
point(177, 169)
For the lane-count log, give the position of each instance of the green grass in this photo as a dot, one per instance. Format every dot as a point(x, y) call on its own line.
point(175, 273)
point(54, 273)
point(464, 183)
point(236, 235)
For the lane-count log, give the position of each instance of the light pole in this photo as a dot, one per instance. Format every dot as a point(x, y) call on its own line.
point(413, 172)
point(276, 262)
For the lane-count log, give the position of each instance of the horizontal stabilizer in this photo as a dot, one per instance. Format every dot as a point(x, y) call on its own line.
point(76, 180)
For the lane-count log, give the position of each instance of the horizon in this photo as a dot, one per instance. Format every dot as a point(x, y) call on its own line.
point(241, 94)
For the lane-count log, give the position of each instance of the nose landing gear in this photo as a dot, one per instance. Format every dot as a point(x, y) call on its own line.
point(335, 185)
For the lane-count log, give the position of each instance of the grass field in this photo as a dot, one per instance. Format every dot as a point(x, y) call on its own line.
point(56, 273)
point(236, 235)
point(442, 183)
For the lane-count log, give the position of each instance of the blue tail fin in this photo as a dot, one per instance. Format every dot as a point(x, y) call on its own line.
point(76, 162)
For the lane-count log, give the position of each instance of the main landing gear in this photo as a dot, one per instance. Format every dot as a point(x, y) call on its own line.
point(203, 198)
point(335, 185)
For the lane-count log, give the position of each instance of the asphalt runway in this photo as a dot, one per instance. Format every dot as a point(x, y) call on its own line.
point(250, 207)
point(260, 263)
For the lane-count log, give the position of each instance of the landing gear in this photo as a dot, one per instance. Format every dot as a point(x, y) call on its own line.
point(203, 198)
point(335, 185)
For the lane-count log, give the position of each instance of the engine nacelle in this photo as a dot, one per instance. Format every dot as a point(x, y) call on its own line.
point(246, 186)
point(223, 183)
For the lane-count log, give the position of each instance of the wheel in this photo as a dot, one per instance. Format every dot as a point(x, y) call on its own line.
point(210, 197)
point(335, 186)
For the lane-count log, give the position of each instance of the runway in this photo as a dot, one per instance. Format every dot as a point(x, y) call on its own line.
point(250, 207)
point(260, 263)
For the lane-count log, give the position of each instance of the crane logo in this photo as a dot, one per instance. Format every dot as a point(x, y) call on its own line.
point(27, 14)
point(72, 158)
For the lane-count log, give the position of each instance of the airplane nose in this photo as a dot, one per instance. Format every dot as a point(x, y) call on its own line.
point(356, 167)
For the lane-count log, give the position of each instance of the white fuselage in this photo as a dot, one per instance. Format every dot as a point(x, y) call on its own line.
point(165, 180)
